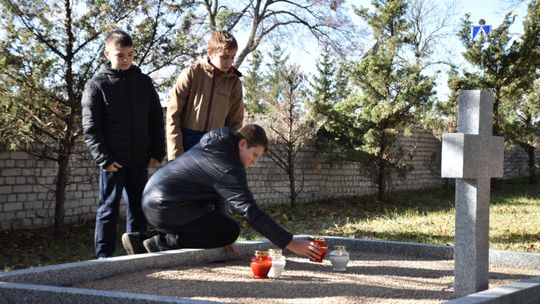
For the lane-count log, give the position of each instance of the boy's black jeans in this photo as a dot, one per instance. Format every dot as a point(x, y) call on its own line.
point(212, 230)
point(127, 181)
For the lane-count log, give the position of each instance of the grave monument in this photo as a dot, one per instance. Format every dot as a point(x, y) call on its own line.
point(473, 156)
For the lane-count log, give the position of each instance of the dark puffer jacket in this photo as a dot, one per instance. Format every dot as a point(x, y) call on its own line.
point(208, 174)
point(122, 118)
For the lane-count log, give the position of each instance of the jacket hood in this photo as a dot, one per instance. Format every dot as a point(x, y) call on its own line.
point(221, 139)
point(107, 70)
point(211, 70)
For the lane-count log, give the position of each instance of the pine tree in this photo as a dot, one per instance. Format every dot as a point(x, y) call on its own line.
point(391, 97)
point(494, 56)
point(278, 61)
point(520, 126)
point(289, 128)
point(520, 105)
point(341, 79)
point(253, 86)
point(323, 84)
point(49, 50)
point(508, 67)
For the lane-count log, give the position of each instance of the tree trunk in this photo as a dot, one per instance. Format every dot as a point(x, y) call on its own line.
point(496, 102)
point(62, 176)
point(67, 141)
point(60, 195)
point(381, 178)
point(292, 187)
point(292, 181)
point(532, 164)
point(381, 181)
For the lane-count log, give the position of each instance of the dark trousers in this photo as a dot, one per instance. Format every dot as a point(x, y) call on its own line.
point(127, 181)
point(212, 230)
point(191, 137)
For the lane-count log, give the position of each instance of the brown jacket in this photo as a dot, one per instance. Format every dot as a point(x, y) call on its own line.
point(203, 98)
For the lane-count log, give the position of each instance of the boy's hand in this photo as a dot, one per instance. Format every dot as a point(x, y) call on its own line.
point(306, 248)
point(113, 167)
point(153, 163)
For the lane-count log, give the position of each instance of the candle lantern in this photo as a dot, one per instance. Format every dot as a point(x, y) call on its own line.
point(260, 264)
point(278, 262)
point(323, 247)
point(339, 257)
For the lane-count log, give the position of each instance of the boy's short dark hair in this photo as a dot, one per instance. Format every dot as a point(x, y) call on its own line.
point(119, 39)
point(222, 41)
point(254, 135)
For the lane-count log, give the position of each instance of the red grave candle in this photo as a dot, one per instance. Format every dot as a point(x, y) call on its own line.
point(260, 264)
point(323, 247)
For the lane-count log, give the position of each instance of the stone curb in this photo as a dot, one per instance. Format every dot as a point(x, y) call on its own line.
point(49, 284)
point(522, 292)
point(31, 293)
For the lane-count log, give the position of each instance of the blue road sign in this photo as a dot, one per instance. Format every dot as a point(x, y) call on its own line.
point(480, 29)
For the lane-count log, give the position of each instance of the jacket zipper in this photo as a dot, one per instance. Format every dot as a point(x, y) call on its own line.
point(210, 102)
point(131, 118)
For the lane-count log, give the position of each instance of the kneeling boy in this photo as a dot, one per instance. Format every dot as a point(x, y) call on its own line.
point(188, 200)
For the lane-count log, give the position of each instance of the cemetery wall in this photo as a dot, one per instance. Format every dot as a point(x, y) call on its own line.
point(27, 184)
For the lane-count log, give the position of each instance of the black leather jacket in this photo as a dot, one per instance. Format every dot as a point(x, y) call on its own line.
point(122, 118)
point(207, 175)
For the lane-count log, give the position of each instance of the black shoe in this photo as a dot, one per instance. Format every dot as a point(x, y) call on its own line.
point(151, 244)
point(148, 234)
point(132, 243)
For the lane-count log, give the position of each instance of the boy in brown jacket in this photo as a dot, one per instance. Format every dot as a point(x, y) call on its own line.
point(207, 95)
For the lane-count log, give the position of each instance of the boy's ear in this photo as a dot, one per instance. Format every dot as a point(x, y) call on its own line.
point(106, 53)
point(242, 143)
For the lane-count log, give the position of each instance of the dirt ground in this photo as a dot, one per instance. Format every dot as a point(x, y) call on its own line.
point(370, 278)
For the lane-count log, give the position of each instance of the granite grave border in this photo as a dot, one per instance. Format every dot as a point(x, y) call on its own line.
point(50, 284)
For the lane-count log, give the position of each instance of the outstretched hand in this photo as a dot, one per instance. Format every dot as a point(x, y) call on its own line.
point(153, 163)
point(305, 248)
point(114, 167)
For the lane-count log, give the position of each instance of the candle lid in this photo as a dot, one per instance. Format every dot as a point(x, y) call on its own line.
point(340, 247)
point(261, 252)
point(274, 251)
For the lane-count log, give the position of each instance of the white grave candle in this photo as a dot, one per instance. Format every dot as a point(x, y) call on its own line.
point(339, 258)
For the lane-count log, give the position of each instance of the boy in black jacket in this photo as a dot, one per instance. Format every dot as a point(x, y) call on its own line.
point(188, 199)
point(124, 129)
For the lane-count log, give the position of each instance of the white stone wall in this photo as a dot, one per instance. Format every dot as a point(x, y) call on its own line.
point(27, 191)
point(27, 185)
point(516, 162)
point(324, 179)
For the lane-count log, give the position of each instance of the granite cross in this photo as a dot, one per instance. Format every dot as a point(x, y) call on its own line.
point(473, 156)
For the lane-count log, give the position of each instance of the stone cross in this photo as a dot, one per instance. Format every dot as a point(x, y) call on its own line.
point(473, 156)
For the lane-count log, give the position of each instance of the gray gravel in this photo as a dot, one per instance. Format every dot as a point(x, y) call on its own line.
point(370, 278)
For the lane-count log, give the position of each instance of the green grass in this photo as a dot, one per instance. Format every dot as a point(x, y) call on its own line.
point(30, 248)
point(425, 216)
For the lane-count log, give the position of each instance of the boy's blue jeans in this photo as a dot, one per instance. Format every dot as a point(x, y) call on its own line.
point(129, 181)
point(191, 137)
